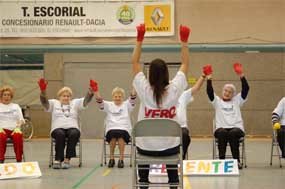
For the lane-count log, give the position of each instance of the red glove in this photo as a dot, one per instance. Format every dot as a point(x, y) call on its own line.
point(42, 84)
point(184, 33)
point(93, 85)
point(238, 68)
point(207, 69)
point(140, 32)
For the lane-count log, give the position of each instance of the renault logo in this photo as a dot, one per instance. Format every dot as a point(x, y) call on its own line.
point(157, 16)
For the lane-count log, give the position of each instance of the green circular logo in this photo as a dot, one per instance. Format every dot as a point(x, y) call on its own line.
point(125, 14)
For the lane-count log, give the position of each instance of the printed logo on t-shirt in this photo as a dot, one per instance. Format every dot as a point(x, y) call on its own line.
point(117, 113)
point(228, 109)
point(8, 114)
point(160, 113)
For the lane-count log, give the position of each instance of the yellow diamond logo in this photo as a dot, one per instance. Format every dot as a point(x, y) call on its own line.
point(157, 16)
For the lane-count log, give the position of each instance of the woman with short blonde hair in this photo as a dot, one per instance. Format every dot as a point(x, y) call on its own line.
point(117, 122)
point(65, 118)
point(11, 118)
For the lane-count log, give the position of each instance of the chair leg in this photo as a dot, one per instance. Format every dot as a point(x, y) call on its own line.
point(134, 170)
point(51, 154)
point(102, 153)
point(181, 174)
point(244, 154)
point(23, 157)
point(80, 153)
point(271, 154)
point(131, 163)
point(278, 154)
point(214, 149)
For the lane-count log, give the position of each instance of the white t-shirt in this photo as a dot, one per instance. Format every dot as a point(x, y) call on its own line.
point(183, 101)
point(149, 109)
point(227, 113)
point(118, 117)
point(280, 111)
point(65, 116)
point(10, 116)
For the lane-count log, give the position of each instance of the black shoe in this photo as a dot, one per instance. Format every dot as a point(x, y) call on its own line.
point(174, 183)
point(240, 165)
point(120, 163)
point(111, 163)
point(144, 187)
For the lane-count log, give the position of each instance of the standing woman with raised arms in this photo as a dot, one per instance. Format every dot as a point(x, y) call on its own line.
point(159, 98)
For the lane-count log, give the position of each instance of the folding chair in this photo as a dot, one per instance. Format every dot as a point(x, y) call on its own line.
point(277, 149)
point(105, 154)
point(156, 128)
point(78, 152)
point(78, 149)
point(242, 148)
point(10, 146)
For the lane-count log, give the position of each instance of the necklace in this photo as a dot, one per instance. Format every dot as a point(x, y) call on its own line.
point(66, 111)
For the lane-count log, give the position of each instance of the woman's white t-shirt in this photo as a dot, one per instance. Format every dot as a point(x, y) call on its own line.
point(10, 115)
point(227, 113)
point(183, 101)
point(280, 111)
point(65, 116)
point(118, 117)
point(149, 109)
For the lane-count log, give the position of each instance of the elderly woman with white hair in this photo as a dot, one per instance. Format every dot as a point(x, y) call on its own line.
point(228, 119)
point(117, 122)
point(64, 125)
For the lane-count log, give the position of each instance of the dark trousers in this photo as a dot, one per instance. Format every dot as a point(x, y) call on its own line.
point(281, 139)
point(185, 141)
point(69, 137)
point(172, 173)
point(228, 135)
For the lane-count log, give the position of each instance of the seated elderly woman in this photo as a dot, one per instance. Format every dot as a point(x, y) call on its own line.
point(118, 122)
point(11, 118)
point(228, 119)
point(65, 117)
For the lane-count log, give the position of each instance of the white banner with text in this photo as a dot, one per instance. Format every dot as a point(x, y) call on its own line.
point(93, 19)
point(216, 167)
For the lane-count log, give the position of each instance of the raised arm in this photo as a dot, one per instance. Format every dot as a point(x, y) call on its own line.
point(137, 50)
point(244, 85)
point(93, 87)
point(184, 34)
point(200, 81)
point(98, 97)
point(43, 98)
point(207, 71)
point(133, 97)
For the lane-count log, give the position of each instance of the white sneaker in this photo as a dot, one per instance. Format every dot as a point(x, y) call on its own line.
point(65, 165)
point(56, 165)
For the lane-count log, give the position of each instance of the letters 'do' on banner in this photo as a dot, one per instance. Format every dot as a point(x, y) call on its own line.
point(86, 19)
point(20, 170)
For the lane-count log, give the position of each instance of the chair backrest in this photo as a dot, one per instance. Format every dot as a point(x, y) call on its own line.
point(157, 128)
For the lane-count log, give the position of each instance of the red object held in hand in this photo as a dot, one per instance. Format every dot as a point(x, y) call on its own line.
point(184, 33)
point(207, 69)
point(93, 85)
point(140, 32)
point(42, 84)
point(238, 68)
